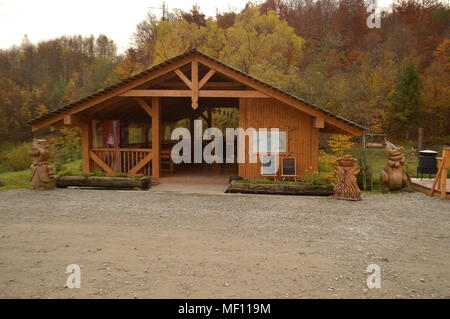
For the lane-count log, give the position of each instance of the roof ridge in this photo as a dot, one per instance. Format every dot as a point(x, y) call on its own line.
point(193, 50)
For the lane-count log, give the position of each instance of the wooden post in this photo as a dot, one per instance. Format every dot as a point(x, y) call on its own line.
point(191, 130)
point(420, 139)
point(363, 163)
point(209, 112)
point(441, 176)
point(156, 139)
point(194, 80)
point(86, 143)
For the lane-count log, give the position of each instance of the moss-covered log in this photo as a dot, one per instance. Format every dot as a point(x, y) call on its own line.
point(103, 182)
point(280, 189)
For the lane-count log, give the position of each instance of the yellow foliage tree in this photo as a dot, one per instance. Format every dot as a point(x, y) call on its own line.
point(339, 145)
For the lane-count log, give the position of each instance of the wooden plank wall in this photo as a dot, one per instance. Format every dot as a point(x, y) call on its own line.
point(303, 139)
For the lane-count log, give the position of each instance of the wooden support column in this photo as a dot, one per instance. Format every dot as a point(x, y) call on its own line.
point(191, 130)
point(156, 138)
point(209, 120)
point(194, 80)
point(86, 144)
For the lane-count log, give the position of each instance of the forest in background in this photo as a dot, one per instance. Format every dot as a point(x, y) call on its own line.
point(392, 80)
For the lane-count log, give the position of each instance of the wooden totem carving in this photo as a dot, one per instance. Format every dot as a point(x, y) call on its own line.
point(41, 171)
point(345, 179)
point(395, 173)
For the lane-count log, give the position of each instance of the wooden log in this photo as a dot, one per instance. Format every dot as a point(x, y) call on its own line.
point(279, 189)
point(103, 182)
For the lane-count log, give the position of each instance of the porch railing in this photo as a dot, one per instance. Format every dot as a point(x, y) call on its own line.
point(130, 161)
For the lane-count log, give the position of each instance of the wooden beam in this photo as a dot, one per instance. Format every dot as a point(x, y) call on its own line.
point(205, 85)
point(140, 165)
point(206, 78)
point(156, 140)
point(86, 143)
point(74, 120)
point(195, 88)
point(318, 122)
point(112, 93)
point(101, 163)
point(147, 108)
point(162, 93)
point(68, 119)
point(232, 93)
point(184, 78)
point(200, 93)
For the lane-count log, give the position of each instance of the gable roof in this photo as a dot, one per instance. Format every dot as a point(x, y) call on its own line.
point(170, 61)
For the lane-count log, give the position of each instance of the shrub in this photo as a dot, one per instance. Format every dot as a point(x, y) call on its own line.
point(65, 173)
point(327, 161)
point(65, 146)
point(98, 173)
point(266, 181)
point(18, 157)
point(338, 145)
point(314, 178)
point(365, 177)
point(2, 183)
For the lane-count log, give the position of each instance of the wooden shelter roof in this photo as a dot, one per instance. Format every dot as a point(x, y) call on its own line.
point(239, 76)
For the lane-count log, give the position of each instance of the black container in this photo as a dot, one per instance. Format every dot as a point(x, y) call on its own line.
point(427, 163)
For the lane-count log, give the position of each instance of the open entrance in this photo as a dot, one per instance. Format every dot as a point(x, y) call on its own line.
point(219, 113)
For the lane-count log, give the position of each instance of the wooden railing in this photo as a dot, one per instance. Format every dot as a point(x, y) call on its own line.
point(131, 161)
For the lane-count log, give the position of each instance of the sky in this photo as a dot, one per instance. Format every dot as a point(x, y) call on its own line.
point(46, 19)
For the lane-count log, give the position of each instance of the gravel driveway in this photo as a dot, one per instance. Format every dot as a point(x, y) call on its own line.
point(145, 244)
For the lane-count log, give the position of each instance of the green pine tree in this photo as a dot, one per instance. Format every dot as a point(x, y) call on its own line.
point(407, 100)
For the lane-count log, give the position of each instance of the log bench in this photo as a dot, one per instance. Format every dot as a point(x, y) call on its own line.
point(103, 182)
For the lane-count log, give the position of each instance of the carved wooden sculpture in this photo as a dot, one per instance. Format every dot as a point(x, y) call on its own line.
point(395, 174)
point(345, 179)
point(41, 172)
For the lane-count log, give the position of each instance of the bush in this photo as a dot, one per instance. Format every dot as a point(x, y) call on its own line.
point(2, 183)
point(17, 158)
point(65, 173)
point(365, 177)
point(314, 178)
point(266, 181)
point(327, 161)
point(65, 146)
point(98, 173)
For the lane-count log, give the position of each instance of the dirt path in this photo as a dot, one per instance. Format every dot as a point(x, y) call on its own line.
point(165, 245)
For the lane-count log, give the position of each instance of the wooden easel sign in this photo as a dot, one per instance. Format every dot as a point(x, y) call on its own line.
point(441, 176)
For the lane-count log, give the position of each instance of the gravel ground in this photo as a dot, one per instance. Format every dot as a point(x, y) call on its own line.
point(136, 244)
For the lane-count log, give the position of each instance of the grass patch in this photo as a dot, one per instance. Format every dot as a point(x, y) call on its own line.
point(21, 179)
point(11, 180)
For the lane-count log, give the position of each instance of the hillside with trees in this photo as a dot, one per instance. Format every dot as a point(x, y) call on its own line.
point(392, 79)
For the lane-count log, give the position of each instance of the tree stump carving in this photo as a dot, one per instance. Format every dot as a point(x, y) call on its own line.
point(345, 179)
point(41, 171)
point(395, 173)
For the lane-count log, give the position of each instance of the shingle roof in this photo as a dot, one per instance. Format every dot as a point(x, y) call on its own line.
point(174, 59)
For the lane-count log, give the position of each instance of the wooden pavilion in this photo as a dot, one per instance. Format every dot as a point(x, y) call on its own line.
point(188, 87)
